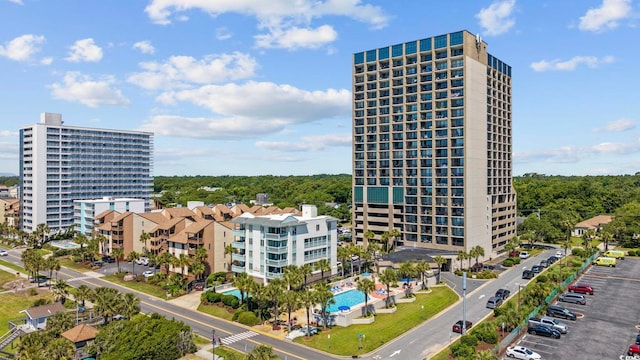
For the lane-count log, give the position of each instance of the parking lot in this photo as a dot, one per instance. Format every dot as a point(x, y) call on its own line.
point(606, 325)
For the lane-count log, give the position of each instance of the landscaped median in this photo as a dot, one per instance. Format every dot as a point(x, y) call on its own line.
point(141, 286)
point(361, 339)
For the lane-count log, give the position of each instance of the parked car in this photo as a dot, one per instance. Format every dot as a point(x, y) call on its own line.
point(521, 352)
point(514, 253)
point(581, 288)
point(543, 330)
point(147, 274)
point(552, 260)
point(528, 274)
point(494, 302)
point(614, 254)
point(524, 255)
point(309, 330)
point(544, 264)
point(561, 312)
point(143, 261)
point(536, 269)
point(108, 259)
point(634, 350)
point(503, 293)
point(457, 327)
point(572, 298)
point(98, 263)
point(477, 267)
point(638, 339)
point(559, 254)
point(550, 322)
point(489, 267)
point(4, 253)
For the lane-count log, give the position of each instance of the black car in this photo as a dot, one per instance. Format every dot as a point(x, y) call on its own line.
point(457, 327)
point(544, 263)
point(560, 312)
point(528, 274)
point(536, 269)
point(552, 259)
point(108, 259)
point(544, 331)
point(503, 293)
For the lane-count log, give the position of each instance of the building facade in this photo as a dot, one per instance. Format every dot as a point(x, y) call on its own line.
point(265, 244)
point(84, 211)
point(432, 153)
point(60, 164)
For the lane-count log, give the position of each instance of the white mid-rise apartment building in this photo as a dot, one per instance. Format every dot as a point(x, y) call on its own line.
point(264, 245)
point(85, 210)
point(60, 164)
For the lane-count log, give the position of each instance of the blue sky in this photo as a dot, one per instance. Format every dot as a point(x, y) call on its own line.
point(254, 87)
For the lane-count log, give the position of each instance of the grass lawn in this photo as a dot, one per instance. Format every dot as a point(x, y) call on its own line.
point(144, 287)
point(12, 266)
point(11, 304)
point(216, 311)
point(73, 265)
point(344, 340)
point(5, 277)
point(229, 354)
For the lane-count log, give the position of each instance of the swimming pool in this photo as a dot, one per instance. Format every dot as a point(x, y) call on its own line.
point(63, 244)
point(347, 298)
point(236, 293)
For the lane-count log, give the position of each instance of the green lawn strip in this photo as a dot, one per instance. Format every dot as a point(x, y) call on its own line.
point(344, 340)
point(11, 304)
point(12, 266)
point(73, 265)
point(143, 287)
point(216, 311)
point(229, 353)
point(5, 277)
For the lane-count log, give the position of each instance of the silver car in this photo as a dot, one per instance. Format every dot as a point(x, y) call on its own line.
point(494, 302)
point(573, 298)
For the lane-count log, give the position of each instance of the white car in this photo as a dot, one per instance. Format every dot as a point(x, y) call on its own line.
point(143, 261)
point(147, 274)
point(524, 255)
point(4, 253)
point(521, 352)
point(559, 254)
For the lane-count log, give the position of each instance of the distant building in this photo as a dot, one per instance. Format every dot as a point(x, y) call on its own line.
point(9, 211)
point(60, 164)
point(595, 223)
point(84, 211)
point(265, 244)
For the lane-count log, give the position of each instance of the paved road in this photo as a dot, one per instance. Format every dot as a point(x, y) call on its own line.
point(202, 324)
point(429, 338)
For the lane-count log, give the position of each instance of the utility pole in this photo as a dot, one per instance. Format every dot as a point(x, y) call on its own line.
point(464, 302)
point(213, 342)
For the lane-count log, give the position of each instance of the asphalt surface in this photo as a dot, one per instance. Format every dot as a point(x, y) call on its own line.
point(610, 316)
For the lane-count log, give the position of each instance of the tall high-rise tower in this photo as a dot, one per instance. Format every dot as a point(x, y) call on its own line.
point(60, 164)
point(432, 155)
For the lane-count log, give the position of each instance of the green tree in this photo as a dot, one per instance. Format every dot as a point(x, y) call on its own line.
point(242, 281)
point(366, 286)
point(166, 259)
point(82, 294)
point(52, 264)
point(144, 237)
point(407, 270)
point(129, 305)
point(305, 272)
point(423, 268)
point(387, 277)
point(132, 257)
point(59, 323)
point(325, 298)
point(291, 302)
point(59, 348)
point(273, 291)
point(368, 236)
point(478, 252)
point(60, 290)
point(462, 255)
point(343, 255)
point(118, 254)
point(292, 276)
point(106, 303)
point(323, 265)
point(183, 261)
point(229, 250)
point(307, 300)
point(262, 352)
point(197, 268)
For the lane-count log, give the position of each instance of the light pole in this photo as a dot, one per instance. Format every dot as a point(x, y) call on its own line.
point(520, 286)
point(464, 303)
point(213, 342)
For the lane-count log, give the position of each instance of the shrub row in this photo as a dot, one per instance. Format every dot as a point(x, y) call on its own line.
point(634, 252)
point(211, 297)
point(509, 262)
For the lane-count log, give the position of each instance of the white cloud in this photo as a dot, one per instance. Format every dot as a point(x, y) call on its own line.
point(178, 70)
point(606, 16)
point(22, 48)
point(84, 50)
point(249, 110)
point(19, 2)
point(144, 47)
point(294, 37)
point(223, 33)
point(8, 133)
point(287, 21)
point(80, 88)
point(307, 143)
point(619, 125)
point(571, 64)
point(497, 18)
point(574, 154)
point(46, 61)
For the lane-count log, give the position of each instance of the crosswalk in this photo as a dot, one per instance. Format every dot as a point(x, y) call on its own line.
point(237, 337)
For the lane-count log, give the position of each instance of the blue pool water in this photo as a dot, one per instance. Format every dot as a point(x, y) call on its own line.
point(235, 292)
point(65, 245)
point(347, 298)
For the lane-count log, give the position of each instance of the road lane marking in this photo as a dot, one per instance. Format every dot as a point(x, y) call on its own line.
point(237, 337)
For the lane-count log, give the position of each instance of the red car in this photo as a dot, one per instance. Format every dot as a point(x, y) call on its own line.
point(634, 350)
point(581, 288)
point(457, 327)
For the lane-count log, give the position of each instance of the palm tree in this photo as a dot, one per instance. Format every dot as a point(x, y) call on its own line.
point(229, 250)
point(52, 263)
point(197, 268)
point(106, 302)
point(395, 233)
point(325, 298)
point(291, 302)
point(273, 291)
point(440, 261)
point(144, 237)
point(308, 299)
point(241, 282)
point(422, 268)
point(478, 251)
point(83, 293)
point(183, 261)
point(33, 262)
point(102, 240)
point(484, 355)
point(407, 270)
point(387, 277)
point(509, 315)
point(462, 255)
point(292, 276)
point(129, 305)
point(366, 286)
point(385, 237)
point(133, 256)
point(118, 254)
point(42, 230)
point(201, 255)
point(82, 240)
point(471, 255)
point(59, 348)
point(166, 259)
point(368, 236)
point(262, 352)
point(343, 255)
point(305, 271)
point(323, 265)
point(60, 290)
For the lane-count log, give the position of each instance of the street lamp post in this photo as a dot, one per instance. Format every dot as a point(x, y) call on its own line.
point(520, 286)
point(213, 342)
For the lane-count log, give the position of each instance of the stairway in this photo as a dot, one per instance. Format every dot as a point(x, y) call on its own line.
point(9, 337)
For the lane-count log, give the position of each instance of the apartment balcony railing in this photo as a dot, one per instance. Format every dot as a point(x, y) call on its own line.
point(275, 236)
point(238, 244)
point(277, 249)
point(272, 275)
point(278, 263)
point(238, 232)
point(238, 257)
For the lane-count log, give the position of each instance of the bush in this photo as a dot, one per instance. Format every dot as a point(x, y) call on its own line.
point(230, 301)
point(247, 318)
point(516, 260)
point(508, 262)
point(486, 274)
point(461, 350)
point(542, 278)
point(632, 253)
point(236, 314)
point(211, 297)
point(578, 252)
point(61, 252)
point(32, 292)
point(469, 340)
point(486, 332)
